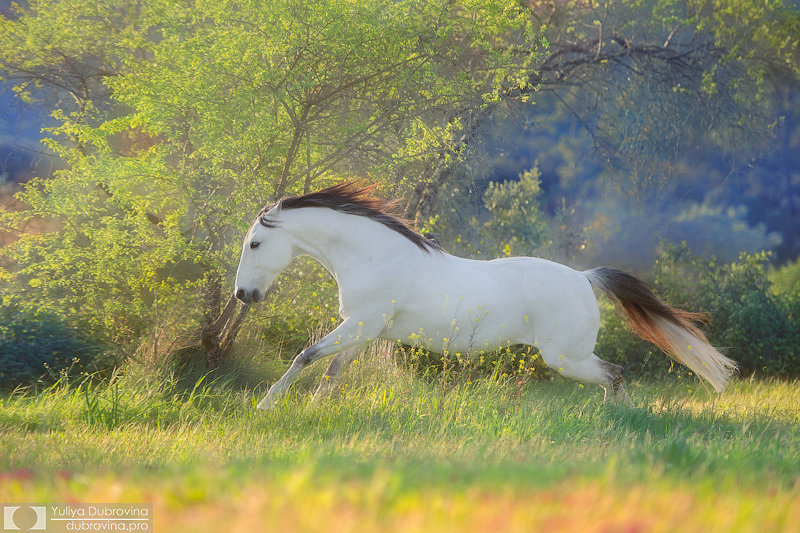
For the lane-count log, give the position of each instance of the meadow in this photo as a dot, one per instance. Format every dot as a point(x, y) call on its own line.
point(393, 451)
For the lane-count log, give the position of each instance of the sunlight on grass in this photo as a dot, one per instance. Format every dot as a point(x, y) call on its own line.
point(411, 454)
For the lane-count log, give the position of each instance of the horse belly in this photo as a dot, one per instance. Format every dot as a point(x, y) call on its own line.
point(450, 322)
point(493, 304)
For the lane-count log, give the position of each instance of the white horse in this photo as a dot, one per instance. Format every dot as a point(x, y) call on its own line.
point(395, 284)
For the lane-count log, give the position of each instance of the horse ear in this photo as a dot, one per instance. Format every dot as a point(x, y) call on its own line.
point(273, 211)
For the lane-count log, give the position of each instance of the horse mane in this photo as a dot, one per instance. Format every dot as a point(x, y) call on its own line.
point(354, 199)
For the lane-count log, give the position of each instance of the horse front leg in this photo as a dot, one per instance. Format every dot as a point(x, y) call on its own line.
point(349, 335)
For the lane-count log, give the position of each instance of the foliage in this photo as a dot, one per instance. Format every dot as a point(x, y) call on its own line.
point(709, 70)
point(40, 346)
point(786, 279)
point(749, 322)
point(509, 221)
point(514, 225)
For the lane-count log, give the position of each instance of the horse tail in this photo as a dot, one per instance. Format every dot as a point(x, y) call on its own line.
point(671, 329)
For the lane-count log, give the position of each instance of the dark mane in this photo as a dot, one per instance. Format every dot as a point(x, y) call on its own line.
point(351, 198)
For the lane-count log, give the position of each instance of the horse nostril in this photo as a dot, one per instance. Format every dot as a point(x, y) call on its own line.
point(256, 296)
point(240, 294)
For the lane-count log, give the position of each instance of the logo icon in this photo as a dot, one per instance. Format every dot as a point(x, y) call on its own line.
point(24, 518)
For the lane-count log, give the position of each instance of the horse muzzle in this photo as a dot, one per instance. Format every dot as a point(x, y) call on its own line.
point(249, 297)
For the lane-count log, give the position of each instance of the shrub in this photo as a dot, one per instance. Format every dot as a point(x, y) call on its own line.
point(38, 346)
point(786, 279)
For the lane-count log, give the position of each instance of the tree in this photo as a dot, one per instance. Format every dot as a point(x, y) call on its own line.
point(650, 81)
point(187, 117)
point(697, 70)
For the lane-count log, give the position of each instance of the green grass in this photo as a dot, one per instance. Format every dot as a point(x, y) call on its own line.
point(392, 452)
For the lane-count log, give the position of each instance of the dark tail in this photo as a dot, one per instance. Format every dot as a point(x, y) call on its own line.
point(671, 329)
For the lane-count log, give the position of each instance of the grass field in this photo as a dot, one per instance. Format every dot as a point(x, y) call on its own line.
point(410, 455)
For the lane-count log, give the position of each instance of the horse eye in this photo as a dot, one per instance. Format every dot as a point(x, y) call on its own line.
point(254, 245)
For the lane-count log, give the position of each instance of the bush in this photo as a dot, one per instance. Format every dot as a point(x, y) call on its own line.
point(786, 279)
point(750, 323)
point(38, 346)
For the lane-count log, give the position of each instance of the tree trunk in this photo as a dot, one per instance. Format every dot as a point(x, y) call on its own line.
point(219, 327)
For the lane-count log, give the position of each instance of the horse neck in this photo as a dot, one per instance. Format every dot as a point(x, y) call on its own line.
point(339, 241)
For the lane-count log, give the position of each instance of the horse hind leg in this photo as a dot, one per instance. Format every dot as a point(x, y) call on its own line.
point(618, 394)
point(590, 369)
point(333, 375)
